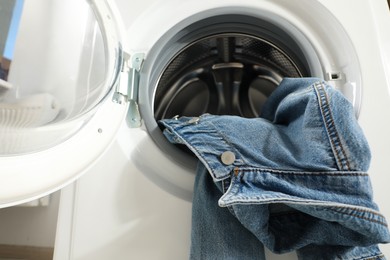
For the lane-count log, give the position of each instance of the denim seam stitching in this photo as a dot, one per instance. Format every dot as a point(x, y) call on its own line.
point(199, 155)
point(298, 212)
point(232, 147)
point(324, 173)
point(244, 201)
point(225, 188)
point(338, 209)
point(337, 147)
point(232, 188)
point(371, 257)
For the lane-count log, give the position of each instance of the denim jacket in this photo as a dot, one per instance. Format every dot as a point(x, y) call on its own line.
point(295, 178)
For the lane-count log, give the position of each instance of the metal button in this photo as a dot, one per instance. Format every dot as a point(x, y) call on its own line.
point(228, 157)
point(194, 120)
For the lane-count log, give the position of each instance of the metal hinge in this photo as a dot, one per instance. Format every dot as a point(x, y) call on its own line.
point(127, 89)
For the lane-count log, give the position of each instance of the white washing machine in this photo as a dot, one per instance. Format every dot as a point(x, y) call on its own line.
point(84, 91)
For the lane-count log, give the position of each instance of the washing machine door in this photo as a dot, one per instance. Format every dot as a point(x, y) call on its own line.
point(61, 97)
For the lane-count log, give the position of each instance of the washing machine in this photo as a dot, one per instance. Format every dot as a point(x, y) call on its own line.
point(88, 81)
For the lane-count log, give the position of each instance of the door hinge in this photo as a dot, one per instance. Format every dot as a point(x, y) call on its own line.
point(127, 89)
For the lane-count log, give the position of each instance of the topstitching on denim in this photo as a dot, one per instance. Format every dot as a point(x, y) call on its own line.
point(206, 142)
point(326, 112)
point(335, 204)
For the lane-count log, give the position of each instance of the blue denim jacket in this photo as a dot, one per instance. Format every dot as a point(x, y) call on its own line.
point(295, 178)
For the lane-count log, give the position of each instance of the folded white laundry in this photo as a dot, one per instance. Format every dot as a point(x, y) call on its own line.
point(4, 87)
point(31, 111)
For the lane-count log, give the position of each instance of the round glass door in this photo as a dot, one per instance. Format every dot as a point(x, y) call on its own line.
point(56, 66)
point(60, 64)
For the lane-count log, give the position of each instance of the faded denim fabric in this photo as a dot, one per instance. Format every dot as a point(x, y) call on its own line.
point(216, 233)
point(296, 177)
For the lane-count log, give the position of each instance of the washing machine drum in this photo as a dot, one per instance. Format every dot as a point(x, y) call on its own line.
point(227, 73)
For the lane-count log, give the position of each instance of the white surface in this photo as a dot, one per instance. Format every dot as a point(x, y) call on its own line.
point(26, 177)
point(123, 209)
point(124, 215)
point(30, 225)
point(4, 86)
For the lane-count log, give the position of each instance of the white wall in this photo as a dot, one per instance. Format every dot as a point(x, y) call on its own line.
point(30, 226)
point(6, 8)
